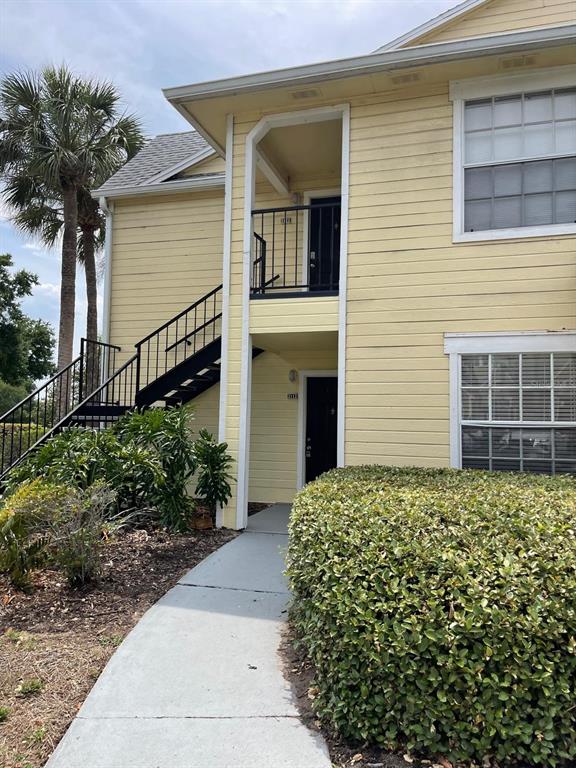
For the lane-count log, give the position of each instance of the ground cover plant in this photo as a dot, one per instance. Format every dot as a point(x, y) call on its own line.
point(438, 608)
point(55, 640)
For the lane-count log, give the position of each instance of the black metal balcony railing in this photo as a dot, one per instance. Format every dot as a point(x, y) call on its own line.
point(296, 250)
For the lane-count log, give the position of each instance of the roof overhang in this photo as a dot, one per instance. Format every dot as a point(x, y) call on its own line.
point(190, 184)
point(206, 104)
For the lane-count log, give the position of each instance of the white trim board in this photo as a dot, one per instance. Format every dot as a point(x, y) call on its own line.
point(108, 208)
point(431, 25)
point(522, 341)
point(166, 187)
point(303, 376)
point(194, 159)
point(226, 257)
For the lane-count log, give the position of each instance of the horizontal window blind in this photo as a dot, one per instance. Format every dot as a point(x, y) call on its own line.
point(518, 411)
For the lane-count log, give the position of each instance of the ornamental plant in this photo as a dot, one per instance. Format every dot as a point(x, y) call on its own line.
point(439, 610)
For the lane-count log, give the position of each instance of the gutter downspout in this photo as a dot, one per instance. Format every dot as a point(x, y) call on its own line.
point(108, 208)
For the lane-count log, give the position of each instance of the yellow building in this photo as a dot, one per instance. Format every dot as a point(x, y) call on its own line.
point(369, 260)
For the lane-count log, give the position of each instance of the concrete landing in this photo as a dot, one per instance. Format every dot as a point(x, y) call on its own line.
point(197, 683)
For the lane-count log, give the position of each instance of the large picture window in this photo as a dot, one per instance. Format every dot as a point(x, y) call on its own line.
point(515, 161)
point(518, 411)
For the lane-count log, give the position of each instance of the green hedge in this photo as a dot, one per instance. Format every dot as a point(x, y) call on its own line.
point(439, 609)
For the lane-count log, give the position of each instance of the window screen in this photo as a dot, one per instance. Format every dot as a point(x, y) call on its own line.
point(520, 161)
point(518, 412)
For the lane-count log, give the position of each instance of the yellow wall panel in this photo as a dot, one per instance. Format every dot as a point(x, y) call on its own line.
point(500, 16)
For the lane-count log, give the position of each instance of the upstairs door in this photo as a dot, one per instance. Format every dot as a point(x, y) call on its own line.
point(321, 425)
point(324, 243)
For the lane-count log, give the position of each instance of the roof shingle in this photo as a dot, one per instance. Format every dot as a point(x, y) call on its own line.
point(159, 154)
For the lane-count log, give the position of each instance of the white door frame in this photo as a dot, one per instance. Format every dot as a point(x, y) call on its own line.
point(302, 413)
point(306, 198)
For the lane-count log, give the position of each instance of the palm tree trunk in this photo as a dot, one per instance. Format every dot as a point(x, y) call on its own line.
point(92, 358)
point(67, 294)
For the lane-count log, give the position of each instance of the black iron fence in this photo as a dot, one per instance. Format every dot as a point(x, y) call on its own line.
point(27, 422)
point(296, 249)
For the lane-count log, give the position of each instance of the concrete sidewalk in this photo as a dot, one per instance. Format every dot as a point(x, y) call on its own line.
point(197, 683)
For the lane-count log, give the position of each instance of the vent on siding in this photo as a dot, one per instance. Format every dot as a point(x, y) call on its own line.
point(410, 77)
point(312, 93)
point(516, 62)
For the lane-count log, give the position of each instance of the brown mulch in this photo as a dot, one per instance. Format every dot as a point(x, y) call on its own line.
point(60, 639)
point(298, 670)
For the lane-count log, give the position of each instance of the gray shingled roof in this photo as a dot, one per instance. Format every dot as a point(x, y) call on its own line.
point(160, 154)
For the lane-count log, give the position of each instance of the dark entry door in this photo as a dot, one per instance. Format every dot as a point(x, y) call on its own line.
point(321, 423)
point(324, 263)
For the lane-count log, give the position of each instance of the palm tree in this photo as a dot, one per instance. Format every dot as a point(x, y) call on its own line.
point(38, 213)
point(59, 133)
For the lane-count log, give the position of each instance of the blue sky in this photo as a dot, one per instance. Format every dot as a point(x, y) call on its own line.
point(145, 45)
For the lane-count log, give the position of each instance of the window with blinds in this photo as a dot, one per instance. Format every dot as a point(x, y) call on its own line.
point(518, 412)
point(520, 160)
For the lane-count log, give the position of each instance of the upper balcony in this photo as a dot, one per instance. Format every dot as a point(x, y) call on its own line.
point(296, 249)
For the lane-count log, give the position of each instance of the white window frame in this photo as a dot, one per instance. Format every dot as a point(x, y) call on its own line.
point(486, 87)
point(458, 344)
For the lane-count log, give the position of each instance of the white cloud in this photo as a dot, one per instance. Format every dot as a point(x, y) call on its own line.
point(48, 289)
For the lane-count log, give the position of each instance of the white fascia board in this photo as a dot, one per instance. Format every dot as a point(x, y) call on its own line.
point(372, 63)
point(431, 25)
point(197, 125)
point(194, 159)
point(167, 187)
point(511, 341)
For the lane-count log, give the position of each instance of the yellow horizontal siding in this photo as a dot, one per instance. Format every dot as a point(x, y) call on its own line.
point(503, 16)
point(166, 253)
point(294, 315)
point(274, 422)
point(408, 283)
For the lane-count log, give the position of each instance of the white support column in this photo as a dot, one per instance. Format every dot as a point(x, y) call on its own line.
point(342, 288)
point(246, 346)
point(226, 257)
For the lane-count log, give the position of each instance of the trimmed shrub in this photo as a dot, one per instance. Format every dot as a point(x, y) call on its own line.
point(439, 610)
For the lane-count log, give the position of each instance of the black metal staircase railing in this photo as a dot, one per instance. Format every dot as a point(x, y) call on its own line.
point(173, 364)
point(25, 425)
point(179, 339)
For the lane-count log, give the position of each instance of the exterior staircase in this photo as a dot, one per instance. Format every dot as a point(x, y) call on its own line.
point(171, 366)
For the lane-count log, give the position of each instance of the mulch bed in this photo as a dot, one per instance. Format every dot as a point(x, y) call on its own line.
point(299, 671)
point(57, 640)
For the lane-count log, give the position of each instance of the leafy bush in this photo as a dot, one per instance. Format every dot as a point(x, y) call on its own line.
point(439, 609)
point(75, 533)
point(23, 520)
point(167, 433)
point(80, 457)
point(43, 522)
point(213, 479)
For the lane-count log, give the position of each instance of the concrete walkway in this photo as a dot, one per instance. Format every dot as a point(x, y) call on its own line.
point(197, 683)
